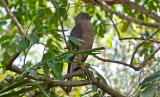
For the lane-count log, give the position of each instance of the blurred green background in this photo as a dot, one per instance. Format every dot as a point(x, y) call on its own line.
point(45, 21)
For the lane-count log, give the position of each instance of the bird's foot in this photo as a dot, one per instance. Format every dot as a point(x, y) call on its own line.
point(85, 70)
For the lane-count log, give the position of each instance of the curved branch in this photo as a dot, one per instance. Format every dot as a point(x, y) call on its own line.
point(140, 9)
point(108, 8)
point(142, 44)
point(118, 62)
point(140, 38)
point(129, 18)
point(135, 6)
point(12, 58)
point(53, 83)
point(107, 89)
point(145, 62)
point(149, 58)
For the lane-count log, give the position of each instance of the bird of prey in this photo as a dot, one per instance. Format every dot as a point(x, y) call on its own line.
point(82, 30)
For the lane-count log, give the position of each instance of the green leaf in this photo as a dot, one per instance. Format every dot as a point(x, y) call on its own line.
point(14, 84)
point(149, 91)
point(62, 12)
point(76, 40)
point(98, 16)
point(23, 44)
point(34, 38)
point(62, 3)
point(54, 69)
point(125, 26)
point(53, 20)
point(42, 90)
point(96, 95)
point(109, 41)
point(6, 38)
point(154, 76)
point(46, 57)
point(16, 93)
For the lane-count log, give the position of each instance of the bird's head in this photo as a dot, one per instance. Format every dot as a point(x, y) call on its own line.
point(82, 16)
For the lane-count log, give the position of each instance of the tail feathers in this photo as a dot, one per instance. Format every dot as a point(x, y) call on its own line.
point(71, 68)
point(69, 89)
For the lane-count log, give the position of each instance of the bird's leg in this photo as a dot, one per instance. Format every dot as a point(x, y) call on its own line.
point(80, 58)
point(85, 71)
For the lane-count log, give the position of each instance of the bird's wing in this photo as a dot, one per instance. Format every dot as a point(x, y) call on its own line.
point(77, 31)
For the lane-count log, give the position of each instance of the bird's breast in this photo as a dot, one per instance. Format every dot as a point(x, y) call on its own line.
point(87, 35)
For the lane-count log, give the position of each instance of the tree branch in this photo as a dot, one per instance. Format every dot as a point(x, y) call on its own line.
point(140, 9)
point(61, 22)
point(21, 30)
point(140, 38)
point(19, 27)
point(108, 8)
point(42, 77)
point(135, 6)
point(106, 88)
point(53, 83)
point(12, 58)
point(131, 65)
point(149, 58)
point(96, 82)
point(118, 62)
point(76, 73)
point(142, 44)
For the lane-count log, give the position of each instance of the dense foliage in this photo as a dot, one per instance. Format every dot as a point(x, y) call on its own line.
point(34, 58)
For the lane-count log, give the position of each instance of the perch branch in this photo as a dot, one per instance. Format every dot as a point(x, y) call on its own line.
point(54, 83)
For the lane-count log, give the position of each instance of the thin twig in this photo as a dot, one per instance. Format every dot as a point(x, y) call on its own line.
point(114, 26)
point(135, 38)
point(118, 62)
point(61, 22)
point(142, 44)
point(131, 65)
point(150, 57)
